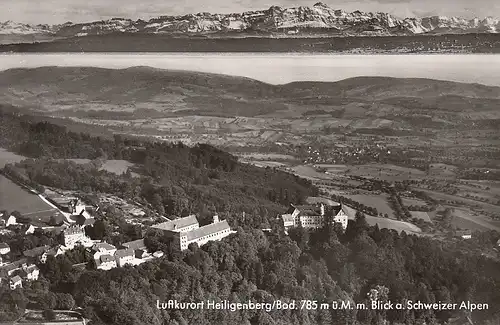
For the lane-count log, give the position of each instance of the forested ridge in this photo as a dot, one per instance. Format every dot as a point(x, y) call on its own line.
point(175, 179)
point(324, 265)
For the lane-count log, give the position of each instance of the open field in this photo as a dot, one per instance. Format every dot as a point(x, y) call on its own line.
point(113, 166)
point(442, 171)
point(390, 173)
point(386, 223)
point(407, 202)
point(421, 215)
point(466, 219)
point(444, 198)
point(263, 163)
point(379, 202)
point(310, 173)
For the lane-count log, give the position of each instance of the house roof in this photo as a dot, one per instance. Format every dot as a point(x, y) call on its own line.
point(124, 253)
point(31, 269)
point(291, 209)
point(4, 245)
point(12, 266)
point(139, 253)
point(82, 221)
point(9, 268)
point(207, 230)
point(103, 246)
point(106, 258)
point(136, 244)
point(309, 210)
point(53, 250)
point(177, 223)
point(37, 251)
point(17, 278)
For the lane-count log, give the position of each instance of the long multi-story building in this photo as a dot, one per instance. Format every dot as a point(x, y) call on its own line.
point(313, 216)
point(185, 231)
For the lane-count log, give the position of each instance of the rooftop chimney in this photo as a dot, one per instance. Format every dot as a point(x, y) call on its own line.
point(216, 219)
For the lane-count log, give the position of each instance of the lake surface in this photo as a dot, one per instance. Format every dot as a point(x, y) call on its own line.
point(284, 68)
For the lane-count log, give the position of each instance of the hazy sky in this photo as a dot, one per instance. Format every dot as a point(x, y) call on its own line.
point(59, 11)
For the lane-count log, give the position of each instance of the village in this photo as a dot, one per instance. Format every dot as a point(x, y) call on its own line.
point(182, 232)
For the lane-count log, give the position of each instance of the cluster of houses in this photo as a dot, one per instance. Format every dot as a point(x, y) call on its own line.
point(313, 216)
point(107, 256)
point(15, 272)
point(73, 234)
point(183, 231)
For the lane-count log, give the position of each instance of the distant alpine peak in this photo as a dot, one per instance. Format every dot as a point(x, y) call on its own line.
point(319, 19)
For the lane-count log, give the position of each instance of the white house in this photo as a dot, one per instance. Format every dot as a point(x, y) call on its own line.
point(465, 234)
point(103, 248)
point(15, 282)
point(124, 257)
point(8, 220)
point(4, 249)
point(105, 262)
point(32, 272)
point(30, 230)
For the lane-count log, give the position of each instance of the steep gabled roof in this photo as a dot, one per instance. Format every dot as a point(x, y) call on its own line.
point(31, 269)
point(103, 246)
point(121, 253)
point(4, 245)
point(15, 279)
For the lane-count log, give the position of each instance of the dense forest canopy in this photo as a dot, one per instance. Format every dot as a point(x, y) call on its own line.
point(325, 265)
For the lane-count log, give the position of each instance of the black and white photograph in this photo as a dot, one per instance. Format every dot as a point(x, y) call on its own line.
point(250, 162)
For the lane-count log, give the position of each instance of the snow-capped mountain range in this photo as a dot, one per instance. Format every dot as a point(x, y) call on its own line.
point(289, 21)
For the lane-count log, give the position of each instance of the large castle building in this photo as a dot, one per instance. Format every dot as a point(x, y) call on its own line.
point(313, 216)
